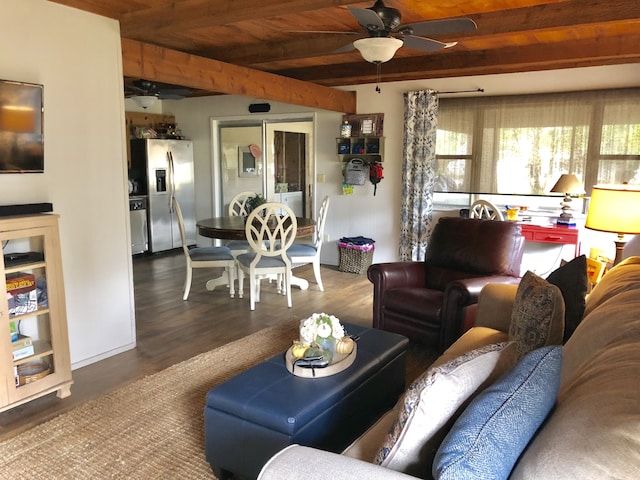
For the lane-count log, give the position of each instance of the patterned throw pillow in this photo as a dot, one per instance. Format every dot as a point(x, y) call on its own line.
point(571, 279)
point(489, 436)
point(537, 318)
point(433, 402)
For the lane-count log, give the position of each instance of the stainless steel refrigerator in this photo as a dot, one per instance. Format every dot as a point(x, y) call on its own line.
point(167, 167)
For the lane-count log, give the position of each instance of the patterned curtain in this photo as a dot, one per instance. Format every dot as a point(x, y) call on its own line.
point(418, 172)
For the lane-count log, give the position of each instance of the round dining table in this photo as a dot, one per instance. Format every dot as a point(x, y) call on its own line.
point(233, 228)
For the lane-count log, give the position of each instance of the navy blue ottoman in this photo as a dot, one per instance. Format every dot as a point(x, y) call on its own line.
point(252, 416)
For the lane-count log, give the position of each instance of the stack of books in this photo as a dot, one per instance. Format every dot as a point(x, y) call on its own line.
point(565, 222)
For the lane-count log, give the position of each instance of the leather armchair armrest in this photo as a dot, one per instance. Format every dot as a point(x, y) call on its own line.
point(495, 304)
point(459, 294)
point(296, 462)
point(397, 274)
point(386, 276)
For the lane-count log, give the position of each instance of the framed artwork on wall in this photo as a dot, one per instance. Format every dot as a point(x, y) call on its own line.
point(21, 127)
point(246, 163)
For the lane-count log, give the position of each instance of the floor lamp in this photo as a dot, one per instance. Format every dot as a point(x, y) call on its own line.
point(615, 209)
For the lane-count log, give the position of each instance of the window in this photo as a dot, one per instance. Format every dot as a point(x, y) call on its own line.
point(522, 144)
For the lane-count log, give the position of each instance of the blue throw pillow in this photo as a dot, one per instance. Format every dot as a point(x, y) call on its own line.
point(487, 439)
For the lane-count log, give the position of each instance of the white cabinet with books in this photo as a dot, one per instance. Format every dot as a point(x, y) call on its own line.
point(34, 343)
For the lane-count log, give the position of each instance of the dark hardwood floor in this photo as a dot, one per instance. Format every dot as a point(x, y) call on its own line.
point(170, 330)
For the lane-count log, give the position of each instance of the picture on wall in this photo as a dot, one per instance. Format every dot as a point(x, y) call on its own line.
point(247, 166)
point(21, 127)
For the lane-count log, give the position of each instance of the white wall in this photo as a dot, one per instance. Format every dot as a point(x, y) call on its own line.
point(76, 56)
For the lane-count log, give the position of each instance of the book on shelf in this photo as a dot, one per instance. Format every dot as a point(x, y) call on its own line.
point(22, 348)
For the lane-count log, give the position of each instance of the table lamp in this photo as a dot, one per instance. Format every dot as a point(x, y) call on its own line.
point(614, 208)
point(568, 184)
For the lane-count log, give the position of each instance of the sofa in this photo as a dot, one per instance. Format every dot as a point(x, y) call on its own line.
point(427, 300)
point(588, 428)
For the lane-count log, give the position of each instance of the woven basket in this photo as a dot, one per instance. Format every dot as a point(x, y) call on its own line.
point(32, 371)
point(354, 261)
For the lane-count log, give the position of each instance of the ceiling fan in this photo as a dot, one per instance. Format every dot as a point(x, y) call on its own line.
point(145, 93)
point(386, 35)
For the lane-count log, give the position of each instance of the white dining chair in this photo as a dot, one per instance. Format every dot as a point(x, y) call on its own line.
point(485, 209)
point(238, 208)
point(305, 253)
point(270, 231)
point(204, 257)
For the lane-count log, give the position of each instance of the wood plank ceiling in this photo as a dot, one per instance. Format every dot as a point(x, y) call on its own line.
point(271, 49)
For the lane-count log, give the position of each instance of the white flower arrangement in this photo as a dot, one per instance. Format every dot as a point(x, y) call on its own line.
point(320, 327)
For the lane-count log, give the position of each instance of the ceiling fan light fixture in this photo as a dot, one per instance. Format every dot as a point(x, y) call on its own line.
point(144, 101)
point(378, 49)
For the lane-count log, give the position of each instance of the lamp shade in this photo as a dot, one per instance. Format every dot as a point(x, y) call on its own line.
point(378, 49)
point(614, 208)
point(568, 183)
point(144, 101)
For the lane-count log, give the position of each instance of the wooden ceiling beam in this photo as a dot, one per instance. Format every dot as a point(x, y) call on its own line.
point(518, 21)
point(192, 14)
point(569, 54)
point(170, 66)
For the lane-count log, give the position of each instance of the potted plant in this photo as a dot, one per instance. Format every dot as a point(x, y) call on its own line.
point(255, 202)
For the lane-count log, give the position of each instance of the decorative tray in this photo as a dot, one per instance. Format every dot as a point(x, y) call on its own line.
point(340, 362)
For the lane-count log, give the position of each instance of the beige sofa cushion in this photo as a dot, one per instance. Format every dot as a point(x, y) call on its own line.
point(433, 402)
point(537, 318)
point(594, 433)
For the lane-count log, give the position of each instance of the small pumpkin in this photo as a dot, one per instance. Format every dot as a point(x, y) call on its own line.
point(345, 345)
point(298, 350)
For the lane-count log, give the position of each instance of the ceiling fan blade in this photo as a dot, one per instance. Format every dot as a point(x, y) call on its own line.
point(425, 44)
point(332, 32)
point(347, 48)
point(439, 27)
point(367, 18)
point(180, 92)
point(170, 96)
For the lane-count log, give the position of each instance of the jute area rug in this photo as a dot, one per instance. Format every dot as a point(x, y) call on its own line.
point(149, 429)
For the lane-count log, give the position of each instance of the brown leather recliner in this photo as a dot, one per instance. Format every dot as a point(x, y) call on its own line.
point(426, 301)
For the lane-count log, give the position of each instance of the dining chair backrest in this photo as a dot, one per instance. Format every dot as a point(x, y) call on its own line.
point(238, 204)
point(271, 229)
point(183, 233)
point(320, 222)
point(204, 257)
point(486, 210)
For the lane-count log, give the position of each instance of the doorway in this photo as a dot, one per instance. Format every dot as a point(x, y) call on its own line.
point(273, 157)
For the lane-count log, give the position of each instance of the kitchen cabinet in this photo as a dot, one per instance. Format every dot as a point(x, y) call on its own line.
point(37, 362)
point(293, 200)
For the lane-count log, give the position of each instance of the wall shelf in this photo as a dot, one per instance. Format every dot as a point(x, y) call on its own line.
point(368, 148)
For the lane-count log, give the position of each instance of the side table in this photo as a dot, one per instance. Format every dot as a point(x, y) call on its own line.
point(551, 234)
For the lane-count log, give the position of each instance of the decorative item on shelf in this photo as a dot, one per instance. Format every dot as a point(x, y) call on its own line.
point(512, 213)
point(358, 147)
point(568, 184)
point(345, 129)
point(344, 147)
point(368, 124)
point(31, 371)
point(614, 209)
